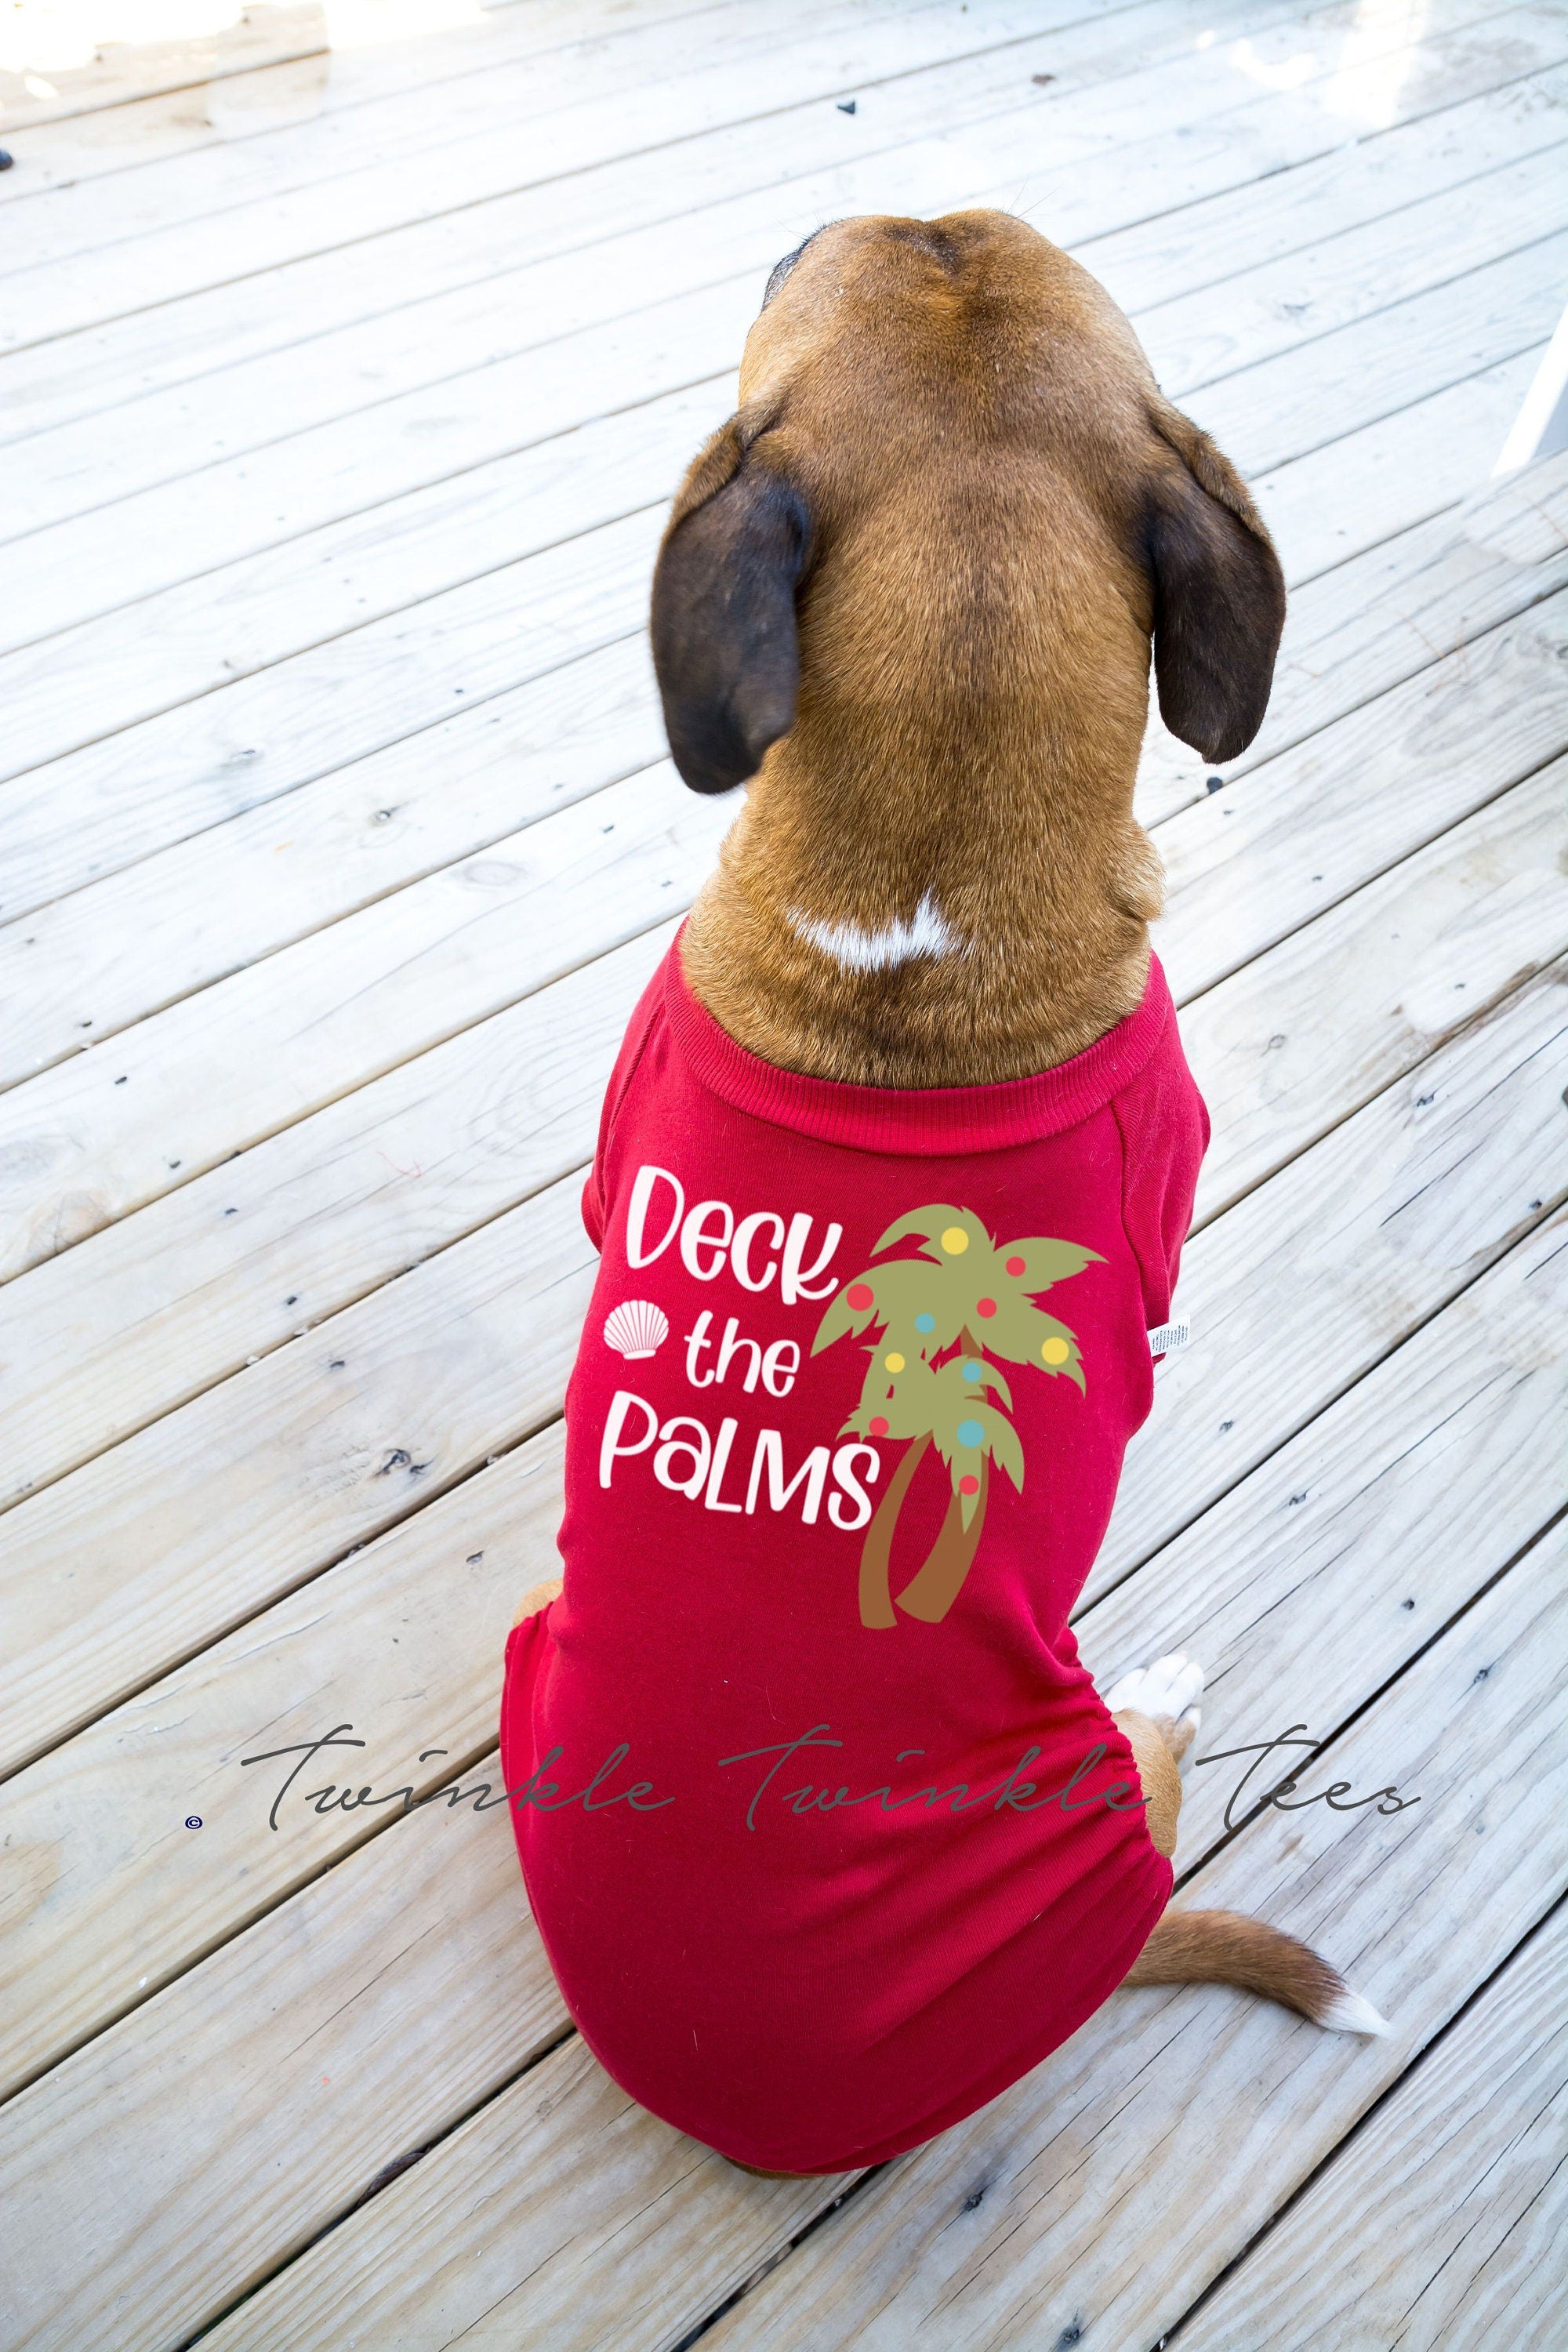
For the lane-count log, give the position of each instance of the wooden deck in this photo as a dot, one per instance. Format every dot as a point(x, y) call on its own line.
point(342, 390)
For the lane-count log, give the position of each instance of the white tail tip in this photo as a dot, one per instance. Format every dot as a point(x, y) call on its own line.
point(1350, 2012)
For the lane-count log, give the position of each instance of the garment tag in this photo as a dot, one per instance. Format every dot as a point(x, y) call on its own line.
point(1166, 1335)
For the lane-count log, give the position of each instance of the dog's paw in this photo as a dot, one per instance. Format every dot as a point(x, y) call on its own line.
point(537, 1597)
point(1171, 1688)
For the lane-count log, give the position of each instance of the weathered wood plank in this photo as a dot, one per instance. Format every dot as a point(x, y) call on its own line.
point(1404, 963)
point(1388, 1459)
point(571, 396)
point(237, 1062)
point(1246, 865)
point(825, 63)
point(1381, 264)
point(440, 1591)
point(1245, 231)
point(366, 2016)
point(209, 1514)
point(89, 963)
point(398, 560)
point(1443, 2222)
point(138, 69)
point(1190, 2113)
point(523, 63)
point(634, 196)
point(63, 151)
point(77, 148)
point(169, 777)
point(155, 1308)
point(140, 546)
point(1351, 494)
point(1388, 1217)
point(1372, 622)
point(1266, 413)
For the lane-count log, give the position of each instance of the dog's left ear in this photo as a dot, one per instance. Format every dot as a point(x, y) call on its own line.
point(1219, 594)
point(725, 649)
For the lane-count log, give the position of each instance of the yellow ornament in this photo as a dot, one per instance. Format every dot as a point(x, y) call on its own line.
point(1056, 1351)
point(894, 1364)
point(955, 1241)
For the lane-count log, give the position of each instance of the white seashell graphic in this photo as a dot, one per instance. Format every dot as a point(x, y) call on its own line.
point(635, 1328)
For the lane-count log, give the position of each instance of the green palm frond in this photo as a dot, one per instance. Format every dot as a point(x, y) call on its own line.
point(1046, 1262)
point(929, 1225)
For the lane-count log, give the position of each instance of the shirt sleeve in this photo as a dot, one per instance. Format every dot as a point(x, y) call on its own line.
point(1164, 1125)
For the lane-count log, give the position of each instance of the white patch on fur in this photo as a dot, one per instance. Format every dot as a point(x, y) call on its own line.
point(926, 933)
point(1352, 2012)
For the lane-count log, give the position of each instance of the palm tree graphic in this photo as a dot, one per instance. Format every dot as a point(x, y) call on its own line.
point(930, 1380)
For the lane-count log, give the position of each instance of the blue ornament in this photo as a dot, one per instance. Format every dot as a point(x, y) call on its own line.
point(972, 1371)
point(925, 1322)
point(970, 1433)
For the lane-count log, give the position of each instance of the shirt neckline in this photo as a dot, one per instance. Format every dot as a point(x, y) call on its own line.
point(926, 1121)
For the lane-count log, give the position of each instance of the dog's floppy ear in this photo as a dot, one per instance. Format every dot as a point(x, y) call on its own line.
point(725, 650)
point(1219, 594)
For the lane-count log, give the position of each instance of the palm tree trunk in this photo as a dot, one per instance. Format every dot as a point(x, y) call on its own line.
point(875, 1602)
point(931, 1592)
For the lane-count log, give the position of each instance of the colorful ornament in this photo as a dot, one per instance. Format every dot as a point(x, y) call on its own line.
point(969, 1484)
point(1056, 1351)
point(925, 1323)
point(895, 1363)
point(860, 1295)
point(878, 1425)
point(970, 1433)
point(1015, 1265)
point(955, 1241)
point(974, 1371)
point(985, 1306)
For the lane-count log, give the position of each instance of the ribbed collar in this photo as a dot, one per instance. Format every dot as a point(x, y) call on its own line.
point(927, 1121)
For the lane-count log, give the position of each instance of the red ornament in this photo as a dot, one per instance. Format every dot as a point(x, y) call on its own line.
point(1015, 1265)
point(879, 1426)
point(987, 1306)
point(861, 1296)
point(969, 1484)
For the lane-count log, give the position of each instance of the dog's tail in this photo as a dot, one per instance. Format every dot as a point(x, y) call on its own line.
point(1224, 1947)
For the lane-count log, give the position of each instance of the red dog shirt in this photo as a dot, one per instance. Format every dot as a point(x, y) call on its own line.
point(826, 1833)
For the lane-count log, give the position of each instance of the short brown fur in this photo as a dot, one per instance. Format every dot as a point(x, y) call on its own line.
point(983, 456)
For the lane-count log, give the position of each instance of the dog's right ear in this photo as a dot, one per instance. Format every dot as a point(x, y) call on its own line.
point(1219, 594)
point(725, 649)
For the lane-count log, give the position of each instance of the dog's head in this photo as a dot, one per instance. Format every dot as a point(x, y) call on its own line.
point(954, 484)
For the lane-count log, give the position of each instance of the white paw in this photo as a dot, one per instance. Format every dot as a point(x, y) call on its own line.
point(1172, 1686)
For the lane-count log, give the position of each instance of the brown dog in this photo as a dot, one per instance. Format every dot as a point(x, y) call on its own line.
point(908, 591)
point(923, 563)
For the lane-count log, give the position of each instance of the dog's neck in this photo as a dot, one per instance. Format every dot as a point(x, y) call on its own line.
point(957, 914)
